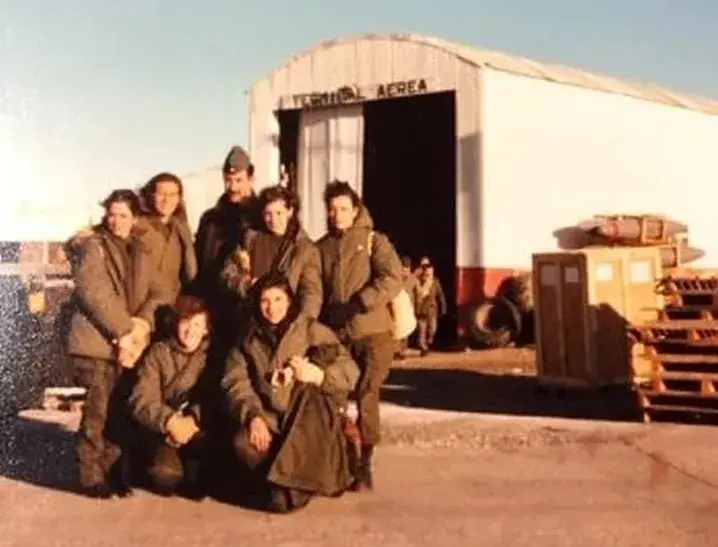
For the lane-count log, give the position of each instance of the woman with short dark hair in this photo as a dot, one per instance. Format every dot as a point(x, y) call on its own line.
point(361, 276)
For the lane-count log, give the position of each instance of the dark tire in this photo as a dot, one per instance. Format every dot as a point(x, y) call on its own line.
point(494, 324)
point(518, 290)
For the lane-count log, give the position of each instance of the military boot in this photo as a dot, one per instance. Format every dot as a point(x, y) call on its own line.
point(120, 477)
point(100, 491)
point(364, 476)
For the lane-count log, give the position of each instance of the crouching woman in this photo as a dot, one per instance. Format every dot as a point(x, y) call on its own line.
point(286, 382)
point(166, 401)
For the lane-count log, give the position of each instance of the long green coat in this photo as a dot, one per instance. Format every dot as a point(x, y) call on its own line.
point(313, 455)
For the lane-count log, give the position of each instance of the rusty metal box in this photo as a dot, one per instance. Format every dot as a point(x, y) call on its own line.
point(584, 302)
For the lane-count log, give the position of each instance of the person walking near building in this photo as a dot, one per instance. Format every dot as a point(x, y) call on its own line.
point(409, 281)
point(430, 305)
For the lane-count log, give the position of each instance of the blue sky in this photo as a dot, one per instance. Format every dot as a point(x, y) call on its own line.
point(120, 90)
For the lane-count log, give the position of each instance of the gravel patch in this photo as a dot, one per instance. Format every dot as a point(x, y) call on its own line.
point(467, 433)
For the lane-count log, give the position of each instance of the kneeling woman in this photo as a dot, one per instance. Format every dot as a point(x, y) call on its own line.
point(286, 382)
point(166, 400)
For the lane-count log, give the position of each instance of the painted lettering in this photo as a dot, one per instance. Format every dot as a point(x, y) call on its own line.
point(344, 95)
point(401, 89)
point(349, 94)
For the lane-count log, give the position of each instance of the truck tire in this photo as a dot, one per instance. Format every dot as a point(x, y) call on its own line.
point(494, 324)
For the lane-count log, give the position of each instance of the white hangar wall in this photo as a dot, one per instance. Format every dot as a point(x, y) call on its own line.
point(202, 190)
point(555, 154)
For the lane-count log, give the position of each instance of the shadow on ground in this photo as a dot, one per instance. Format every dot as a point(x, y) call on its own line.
point(519, 395)
point(37, 452)
point(470, 391)
point(42, 453)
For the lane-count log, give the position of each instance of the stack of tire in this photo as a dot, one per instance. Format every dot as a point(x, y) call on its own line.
point(507, 319)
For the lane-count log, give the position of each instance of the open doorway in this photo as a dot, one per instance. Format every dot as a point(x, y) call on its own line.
point(410, 183)
point(289, 143)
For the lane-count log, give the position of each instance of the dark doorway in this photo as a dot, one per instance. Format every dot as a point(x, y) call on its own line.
point(410, 183)
point(289, 142)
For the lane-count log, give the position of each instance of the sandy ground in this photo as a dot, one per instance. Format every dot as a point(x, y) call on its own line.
point(472, 455)
point(442, 478)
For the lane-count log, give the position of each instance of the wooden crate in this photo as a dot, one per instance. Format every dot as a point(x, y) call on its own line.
point(584, 302)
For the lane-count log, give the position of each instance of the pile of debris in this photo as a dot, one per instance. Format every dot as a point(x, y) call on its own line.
point(640, 230)
point(507, 319)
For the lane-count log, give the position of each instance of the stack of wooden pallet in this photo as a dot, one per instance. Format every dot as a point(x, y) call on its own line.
point(682, 349)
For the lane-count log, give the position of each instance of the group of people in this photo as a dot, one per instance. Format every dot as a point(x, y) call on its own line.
point(229, 357)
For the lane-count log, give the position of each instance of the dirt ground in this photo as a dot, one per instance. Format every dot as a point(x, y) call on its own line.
point(442, 478)
point(472, 454)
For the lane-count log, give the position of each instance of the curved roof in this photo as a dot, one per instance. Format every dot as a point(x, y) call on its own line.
point(533, 69)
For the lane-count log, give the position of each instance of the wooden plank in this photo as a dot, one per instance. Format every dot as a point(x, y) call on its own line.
point(680, 324)
point(687, 359)
point(700, 343)
point(689, 376)
point(680, 408)
point(684, 308)
point(689, 292)
point(679, 393)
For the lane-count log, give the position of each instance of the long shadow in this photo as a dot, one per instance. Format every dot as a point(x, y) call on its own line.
point(43, 454)
point(467, 391)
point(37, 452)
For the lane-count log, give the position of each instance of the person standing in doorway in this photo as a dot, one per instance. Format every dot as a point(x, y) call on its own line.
point(227, 225)
point(430, 305)
point(410, 281)
point(361, 274)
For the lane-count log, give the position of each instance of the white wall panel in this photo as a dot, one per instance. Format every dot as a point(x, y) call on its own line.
point(554, 154)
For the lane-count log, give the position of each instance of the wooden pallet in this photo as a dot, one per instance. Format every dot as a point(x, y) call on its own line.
point(679, 382)
point(682, 349)
point(689, 291)
point(673, 311)
point(687, 332)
